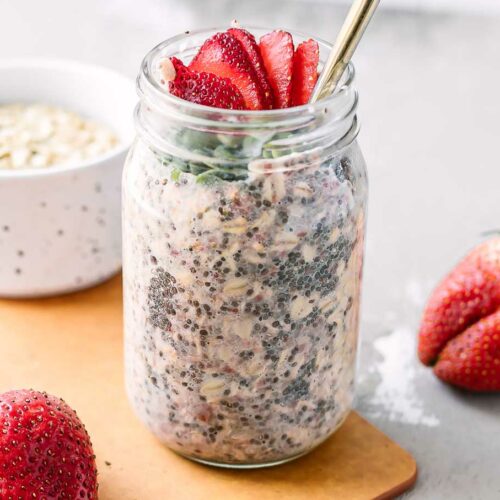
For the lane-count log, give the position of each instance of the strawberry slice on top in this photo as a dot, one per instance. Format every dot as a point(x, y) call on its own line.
point(200, 87)
point(224, 56)
point(305, 71)
point(252, 49)
point(277, 53)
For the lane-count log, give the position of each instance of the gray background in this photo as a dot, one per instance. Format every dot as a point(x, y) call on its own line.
point(430, 109)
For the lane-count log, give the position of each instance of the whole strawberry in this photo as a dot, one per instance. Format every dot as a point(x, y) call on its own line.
point(472, 359)
point(45, 451)
point(468, 294)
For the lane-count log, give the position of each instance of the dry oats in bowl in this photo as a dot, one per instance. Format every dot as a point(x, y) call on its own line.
point(65, 130)
point(40, 135)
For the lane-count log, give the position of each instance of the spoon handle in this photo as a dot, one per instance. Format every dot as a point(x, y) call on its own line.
point(348, 38)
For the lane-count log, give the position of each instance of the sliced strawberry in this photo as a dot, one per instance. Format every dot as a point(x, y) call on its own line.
point(305, 72)
point(200, 87)
point(252, 49)
point(472, 359)
point(470, 292)
point(224, 56)
point(276, 49)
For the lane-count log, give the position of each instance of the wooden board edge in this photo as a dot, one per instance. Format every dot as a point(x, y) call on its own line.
point(405, 485)
point(400, 488)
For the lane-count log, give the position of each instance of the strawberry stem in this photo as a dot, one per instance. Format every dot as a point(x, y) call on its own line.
point(490, 232)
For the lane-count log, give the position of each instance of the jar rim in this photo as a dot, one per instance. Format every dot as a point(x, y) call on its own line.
point(148, 86)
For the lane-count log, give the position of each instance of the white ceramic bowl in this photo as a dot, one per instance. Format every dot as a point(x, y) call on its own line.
point(60, 226)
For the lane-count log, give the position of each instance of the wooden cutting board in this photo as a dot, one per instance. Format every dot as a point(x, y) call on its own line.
point(71, 346)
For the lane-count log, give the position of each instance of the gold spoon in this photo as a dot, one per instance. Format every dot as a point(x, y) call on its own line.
point(348, 38)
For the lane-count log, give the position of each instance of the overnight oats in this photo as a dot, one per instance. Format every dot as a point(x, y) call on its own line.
point(243, 247)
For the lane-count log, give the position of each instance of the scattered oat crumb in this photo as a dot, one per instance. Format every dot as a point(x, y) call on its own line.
point(167, 70)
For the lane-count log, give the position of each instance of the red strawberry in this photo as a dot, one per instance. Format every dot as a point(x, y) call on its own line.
point(276, 49)
point(472, 359)
point(201, 88)
point(45, 451)
point(224, 56)
point(305, 71)
point(470, 292)
point(252, 49)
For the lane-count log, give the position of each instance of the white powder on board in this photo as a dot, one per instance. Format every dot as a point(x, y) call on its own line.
point(396, 397)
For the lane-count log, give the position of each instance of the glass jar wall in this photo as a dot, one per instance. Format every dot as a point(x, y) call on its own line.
point(243, 245)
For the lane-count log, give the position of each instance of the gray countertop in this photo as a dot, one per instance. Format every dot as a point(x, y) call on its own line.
point(430, 113)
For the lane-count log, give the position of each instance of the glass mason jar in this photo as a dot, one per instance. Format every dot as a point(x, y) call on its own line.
point(243, 248)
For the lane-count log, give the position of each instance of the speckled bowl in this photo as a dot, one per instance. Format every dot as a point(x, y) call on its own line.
point(60, 226)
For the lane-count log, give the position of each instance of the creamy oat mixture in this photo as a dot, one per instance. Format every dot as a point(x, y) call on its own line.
point(39, 135)
point(241, 304)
